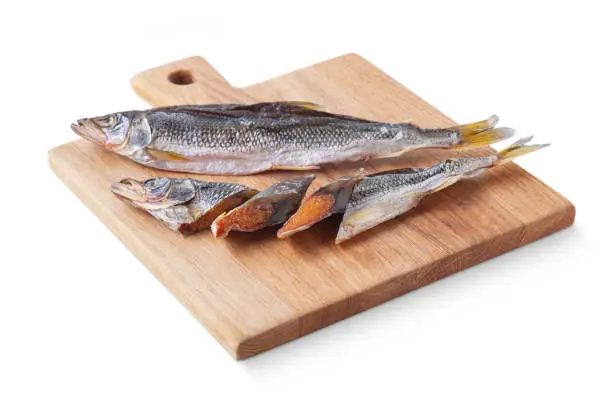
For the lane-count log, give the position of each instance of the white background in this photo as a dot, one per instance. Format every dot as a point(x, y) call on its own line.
point(84, 324)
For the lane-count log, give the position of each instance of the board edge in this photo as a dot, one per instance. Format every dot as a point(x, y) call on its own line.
point(54, 156)
point(404, 283)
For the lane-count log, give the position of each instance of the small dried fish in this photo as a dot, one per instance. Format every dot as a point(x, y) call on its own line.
point(184, 205)
point(247, 139)
point(270, 207)
point(327, 200)
point(383, 196)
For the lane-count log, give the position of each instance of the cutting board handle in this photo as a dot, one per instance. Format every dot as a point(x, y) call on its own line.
point(188, 81)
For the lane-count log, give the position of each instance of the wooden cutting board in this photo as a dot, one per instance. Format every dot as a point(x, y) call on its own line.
point(254, 292)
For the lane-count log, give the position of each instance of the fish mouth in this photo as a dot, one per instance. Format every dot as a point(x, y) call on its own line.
point(88, 130)
point(130, 189)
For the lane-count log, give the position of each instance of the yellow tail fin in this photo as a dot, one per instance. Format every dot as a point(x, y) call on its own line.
point(470, 140)
point(477, 127)
point(517, 149)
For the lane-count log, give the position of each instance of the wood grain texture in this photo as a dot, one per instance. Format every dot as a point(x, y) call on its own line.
point(254, 292)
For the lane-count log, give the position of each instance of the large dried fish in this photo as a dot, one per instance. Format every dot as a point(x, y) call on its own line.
point(383, 196)
point(270, 207)
point(246, 139)
point(184, 205)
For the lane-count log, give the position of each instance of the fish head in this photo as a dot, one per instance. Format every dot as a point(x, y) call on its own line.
point(108, 130)
point(122, 132)
point(131, 190)
point(155, 193)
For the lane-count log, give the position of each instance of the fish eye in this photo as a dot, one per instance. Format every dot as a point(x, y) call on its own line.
point(158, 186)
point(107, 121)
point(155, 182)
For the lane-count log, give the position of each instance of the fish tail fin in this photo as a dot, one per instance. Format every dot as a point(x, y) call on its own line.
point(480, 134)
point(470, 139)
point(477, 127)
point(519, 148)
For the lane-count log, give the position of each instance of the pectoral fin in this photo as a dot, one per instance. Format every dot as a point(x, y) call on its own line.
point(394, 154)
point(375, 213)
point(166, 156)
point(298, 168)
point(364, 216)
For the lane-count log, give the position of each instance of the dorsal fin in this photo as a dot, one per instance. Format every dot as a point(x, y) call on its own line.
point(260, 107)
point(408, 170)
point(269, 110)
point(307, 105)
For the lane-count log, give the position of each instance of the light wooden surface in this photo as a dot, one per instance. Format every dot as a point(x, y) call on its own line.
point(254, 292)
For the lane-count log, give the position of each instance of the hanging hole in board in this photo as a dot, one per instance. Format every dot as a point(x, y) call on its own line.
point(181, 77)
